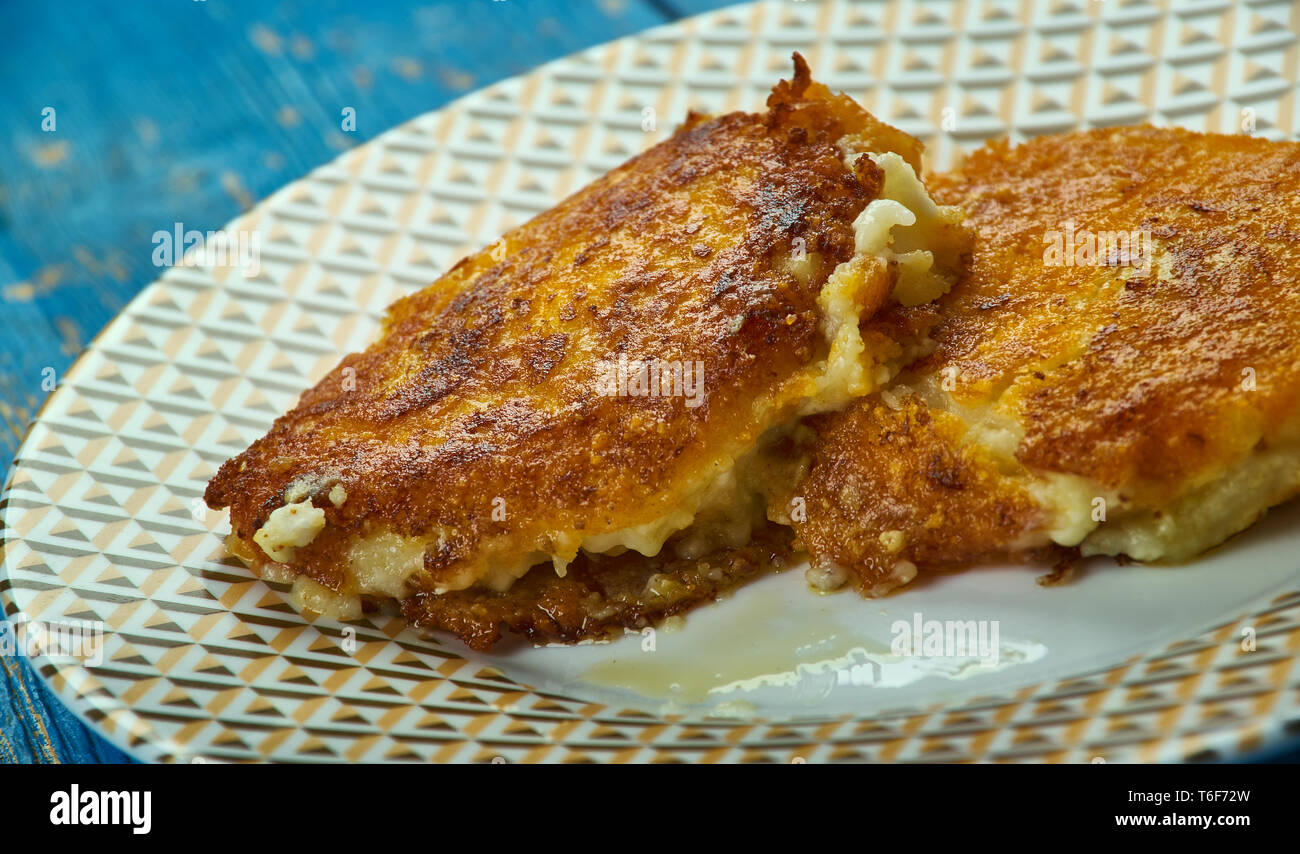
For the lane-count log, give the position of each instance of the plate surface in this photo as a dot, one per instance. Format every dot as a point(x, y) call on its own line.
point(103, 520)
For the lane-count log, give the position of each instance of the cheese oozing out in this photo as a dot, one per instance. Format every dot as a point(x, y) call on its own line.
point(289, 527)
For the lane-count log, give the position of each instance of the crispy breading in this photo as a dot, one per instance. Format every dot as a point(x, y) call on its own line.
point(1143, 399)
point(478, 436)
point(892, 489)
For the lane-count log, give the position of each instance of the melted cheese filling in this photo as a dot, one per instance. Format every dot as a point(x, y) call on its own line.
point(288, 527)
point(1205, 516)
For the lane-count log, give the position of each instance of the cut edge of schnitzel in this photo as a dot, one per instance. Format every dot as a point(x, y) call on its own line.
point(906, 249)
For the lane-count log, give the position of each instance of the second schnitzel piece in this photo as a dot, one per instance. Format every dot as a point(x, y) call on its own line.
point(1118, 372)
point(602, 379)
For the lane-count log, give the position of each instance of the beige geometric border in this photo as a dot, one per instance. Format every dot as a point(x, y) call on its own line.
point(100, 520)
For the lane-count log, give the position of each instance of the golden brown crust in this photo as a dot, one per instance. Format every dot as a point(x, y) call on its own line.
point(1134, 380)
point(482, 393)
point(1150, 394)
point(892, 485)
point(801, 102)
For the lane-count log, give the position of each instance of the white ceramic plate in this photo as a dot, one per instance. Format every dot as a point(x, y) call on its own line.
point(102, 519)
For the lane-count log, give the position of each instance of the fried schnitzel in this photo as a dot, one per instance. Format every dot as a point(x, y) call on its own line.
point(1118, 372)
point(604, 377)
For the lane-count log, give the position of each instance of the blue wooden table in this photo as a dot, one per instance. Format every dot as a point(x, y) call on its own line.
point(118, 119)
